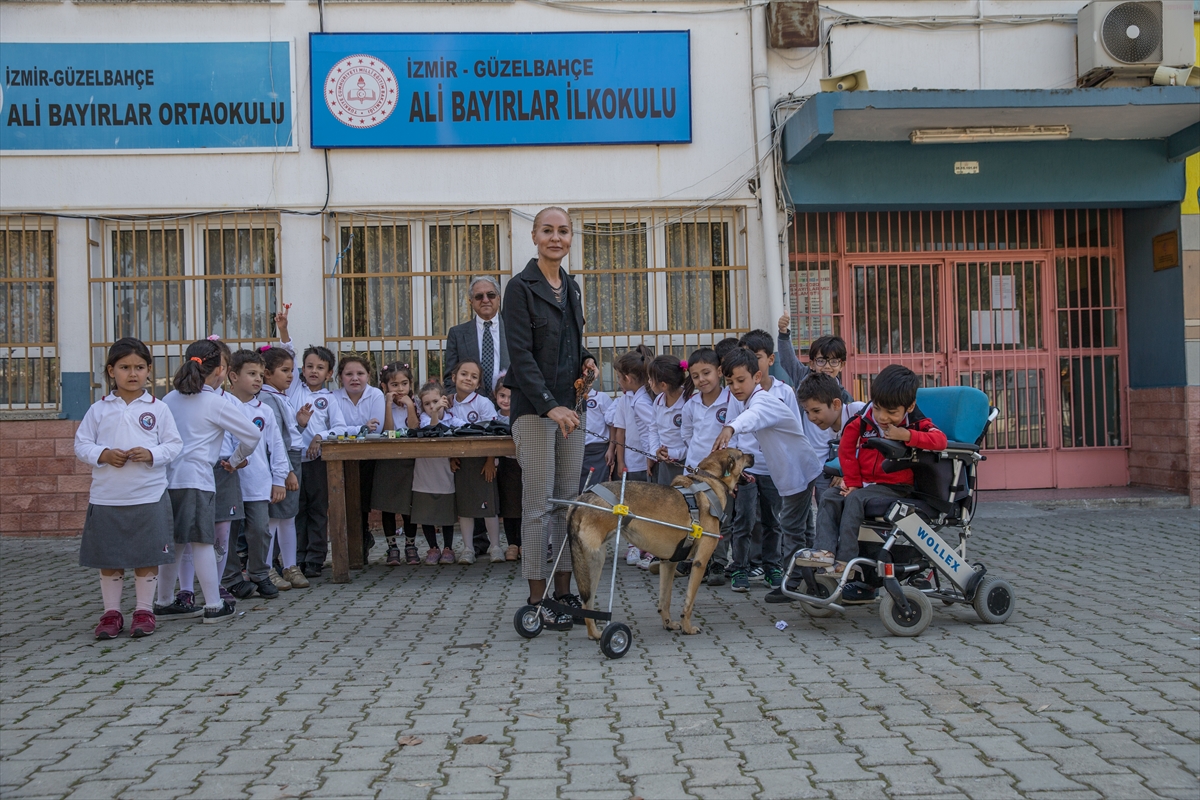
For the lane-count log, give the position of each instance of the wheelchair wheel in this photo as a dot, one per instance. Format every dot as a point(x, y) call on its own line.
point(528, 621)
point(900, 624)
point(616, 640)
point(825, 587)
point(994, 600)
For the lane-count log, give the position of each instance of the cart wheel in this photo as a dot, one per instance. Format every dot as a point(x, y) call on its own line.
point(895, 620)
point(825, 587)
point(615, 640)
point(993, 600)
point(528, 621)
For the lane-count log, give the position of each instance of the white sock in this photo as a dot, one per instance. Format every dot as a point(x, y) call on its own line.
point(187, 572)
point(284, 532)
point(167, 573)
point(111, 587)
point(466, 527)
point(206, 571)
point(221, 546)
point(493, 530)
point(146, 586)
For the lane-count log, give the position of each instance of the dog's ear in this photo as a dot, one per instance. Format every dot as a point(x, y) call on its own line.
point(729, 463)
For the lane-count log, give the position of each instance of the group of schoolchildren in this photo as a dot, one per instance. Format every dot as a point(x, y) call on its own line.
point(238, 440)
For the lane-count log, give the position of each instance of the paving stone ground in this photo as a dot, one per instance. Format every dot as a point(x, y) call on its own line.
point(1092, 690)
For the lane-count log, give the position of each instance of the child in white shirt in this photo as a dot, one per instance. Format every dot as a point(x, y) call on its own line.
point(361, 407)
point(433, 482)
point(128, 438)
point(474, 478)
point(670, 383)
point(633, 421)
point(599, 452)
point(278, 375)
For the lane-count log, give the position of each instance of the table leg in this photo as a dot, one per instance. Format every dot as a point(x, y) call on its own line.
point(354, 528)
point(337, 521)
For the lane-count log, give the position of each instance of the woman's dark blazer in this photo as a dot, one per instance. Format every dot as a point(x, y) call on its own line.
point(532, 327)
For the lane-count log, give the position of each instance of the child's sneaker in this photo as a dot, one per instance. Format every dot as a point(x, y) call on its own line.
point(497, 555)
point(555, 622)
point(809, 557)
point(226, 596)
point(433, 557)
point(278, 581)
point(738, 581)
point(512, 553)
point(756, 573)
point(646, 560)
point(143, 624)
point(177, 610)
point(215, 615)
point(716, 574)
point(296, 578)
point(573, 601)
point(448, 556)
point(111, 625)
point(856, 592)
point(633, 556)
point(186, 598)
point(393, 556)
point(466, 559)
point(411, 556)
point(774, 578)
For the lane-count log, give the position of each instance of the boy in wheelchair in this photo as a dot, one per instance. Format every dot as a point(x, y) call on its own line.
point(893, 415)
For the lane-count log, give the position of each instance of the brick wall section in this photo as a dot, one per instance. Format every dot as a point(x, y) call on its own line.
point(1165, 439)
point(43, 486)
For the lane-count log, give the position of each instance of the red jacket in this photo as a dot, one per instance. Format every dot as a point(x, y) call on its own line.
point(862, 465)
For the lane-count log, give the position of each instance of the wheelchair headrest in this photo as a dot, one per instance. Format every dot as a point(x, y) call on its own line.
point(961, 412)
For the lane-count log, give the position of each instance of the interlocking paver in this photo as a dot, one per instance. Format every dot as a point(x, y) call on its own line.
point(1078, 696)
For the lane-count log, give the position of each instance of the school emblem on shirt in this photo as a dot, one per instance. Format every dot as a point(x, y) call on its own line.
point(591, 403)
point(321, 403)
point(721, 415)
point(147, 421)
point(678, 421)
point(472, 416)
point(259, 422)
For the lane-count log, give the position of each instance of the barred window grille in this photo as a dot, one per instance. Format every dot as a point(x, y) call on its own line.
point(29, 373)
point(399, 282)
point(171, 282)
point(673, 279)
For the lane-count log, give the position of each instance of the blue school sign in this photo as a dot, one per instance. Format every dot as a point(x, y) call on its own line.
point(490, 89)
point(130, 97)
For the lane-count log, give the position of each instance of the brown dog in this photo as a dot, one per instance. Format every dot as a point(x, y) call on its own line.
point(589, 530)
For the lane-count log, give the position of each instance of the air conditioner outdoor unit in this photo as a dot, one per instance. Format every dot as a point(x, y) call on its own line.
point(1132, 39)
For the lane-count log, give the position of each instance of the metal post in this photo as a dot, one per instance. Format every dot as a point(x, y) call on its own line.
point(612, 584)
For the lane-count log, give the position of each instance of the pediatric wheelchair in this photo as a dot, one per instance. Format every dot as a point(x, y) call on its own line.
point(901, 546)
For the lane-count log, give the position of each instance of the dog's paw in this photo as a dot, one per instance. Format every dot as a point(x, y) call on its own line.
point(689, 630)
point(670, 626)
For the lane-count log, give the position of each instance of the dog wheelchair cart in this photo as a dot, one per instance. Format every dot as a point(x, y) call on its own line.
point(901, 546)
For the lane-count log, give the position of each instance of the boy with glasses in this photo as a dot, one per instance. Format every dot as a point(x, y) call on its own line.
point(826, 354)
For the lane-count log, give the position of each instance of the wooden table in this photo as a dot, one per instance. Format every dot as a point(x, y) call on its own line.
point(341, 461)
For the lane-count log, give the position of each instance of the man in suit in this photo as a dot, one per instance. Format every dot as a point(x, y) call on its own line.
point(480, 339)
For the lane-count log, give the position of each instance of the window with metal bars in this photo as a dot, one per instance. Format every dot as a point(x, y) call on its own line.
point(399, 282)
point(29, 362)
point(171, 282)
point(672, 279)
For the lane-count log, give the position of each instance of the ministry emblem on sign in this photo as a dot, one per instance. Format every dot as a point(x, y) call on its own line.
point(360, 91)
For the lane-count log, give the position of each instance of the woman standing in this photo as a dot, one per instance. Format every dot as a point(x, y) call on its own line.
point(543, 323)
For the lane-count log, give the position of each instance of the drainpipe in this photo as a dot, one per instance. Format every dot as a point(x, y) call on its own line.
point(765, 152)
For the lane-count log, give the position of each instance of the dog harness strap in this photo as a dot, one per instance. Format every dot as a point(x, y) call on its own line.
point(604, 494)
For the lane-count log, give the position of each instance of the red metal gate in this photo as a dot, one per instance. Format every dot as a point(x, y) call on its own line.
point(1027, 306)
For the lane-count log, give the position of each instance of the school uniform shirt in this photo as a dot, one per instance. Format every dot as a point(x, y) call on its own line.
point(433, 475)
point(702, 424)
point(112, 423)
point(369, 407)
point(667, 429)
point(203, 420)
point(636, 416)
point(228, 443)
point(790, 460)
point(326, 420)
point(268, 465)
point(598, 406)
point(474, 408)
point(294, 436)
point(748, 444)
point(819, 439)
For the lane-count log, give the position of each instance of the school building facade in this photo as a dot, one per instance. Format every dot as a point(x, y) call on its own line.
point(173, 170)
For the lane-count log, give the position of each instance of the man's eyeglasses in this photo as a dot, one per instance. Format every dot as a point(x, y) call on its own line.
point(828, 362)
point(479, 298)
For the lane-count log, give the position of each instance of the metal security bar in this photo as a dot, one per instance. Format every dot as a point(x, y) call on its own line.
point(673, 279)
point(1090, 315)
point(399, 282)
point(170, 282)
point(1039, 328)
point(28, 322)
